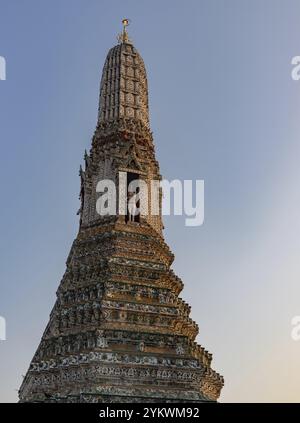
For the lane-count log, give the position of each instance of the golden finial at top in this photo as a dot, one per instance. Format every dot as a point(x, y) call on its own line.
point(123, 37)
point(125, 22)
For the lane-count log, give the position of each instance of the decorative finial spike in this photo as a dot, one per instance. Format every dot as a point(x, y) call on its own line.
point(125, 23)
point(123, 37)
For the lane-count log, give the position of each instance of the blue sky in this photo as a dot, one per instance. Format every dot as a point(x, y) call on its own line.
point(224, 108)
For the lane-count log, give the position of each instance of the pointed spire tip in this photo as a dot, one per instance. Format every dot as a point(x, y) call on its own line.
point(123, 37)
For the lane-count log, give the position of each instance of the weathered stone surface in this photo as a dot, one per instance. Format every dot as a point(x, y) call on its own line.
point(118, 331)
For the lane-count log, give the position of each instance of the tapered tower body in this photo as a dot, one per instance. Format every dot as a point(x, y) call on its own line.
point(119, 332)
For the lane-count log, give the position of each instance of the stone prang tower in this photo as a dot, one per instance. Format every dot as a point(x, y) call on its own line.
point(119, 332)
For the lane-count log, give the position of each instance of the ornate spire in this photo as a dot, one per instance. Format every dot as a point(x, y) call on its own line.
point(123, 37)
point(124, 89)
point(119, 332)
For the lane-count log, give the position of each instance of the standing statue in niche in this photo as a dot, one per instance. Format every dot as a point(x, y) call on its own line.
point(133, 205)
point(132, 209)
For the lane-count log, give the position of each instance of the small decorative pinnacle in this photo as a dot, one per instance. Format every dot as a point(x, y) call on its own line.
point(123, 37)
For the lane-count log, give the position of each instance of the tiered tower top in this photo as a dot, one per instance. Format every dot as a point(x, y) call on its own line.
point(119, 332)
point(124, 88)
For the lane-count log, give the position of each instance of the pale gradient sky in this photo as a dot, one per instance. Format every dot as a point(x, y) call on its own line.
point(223, 108)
